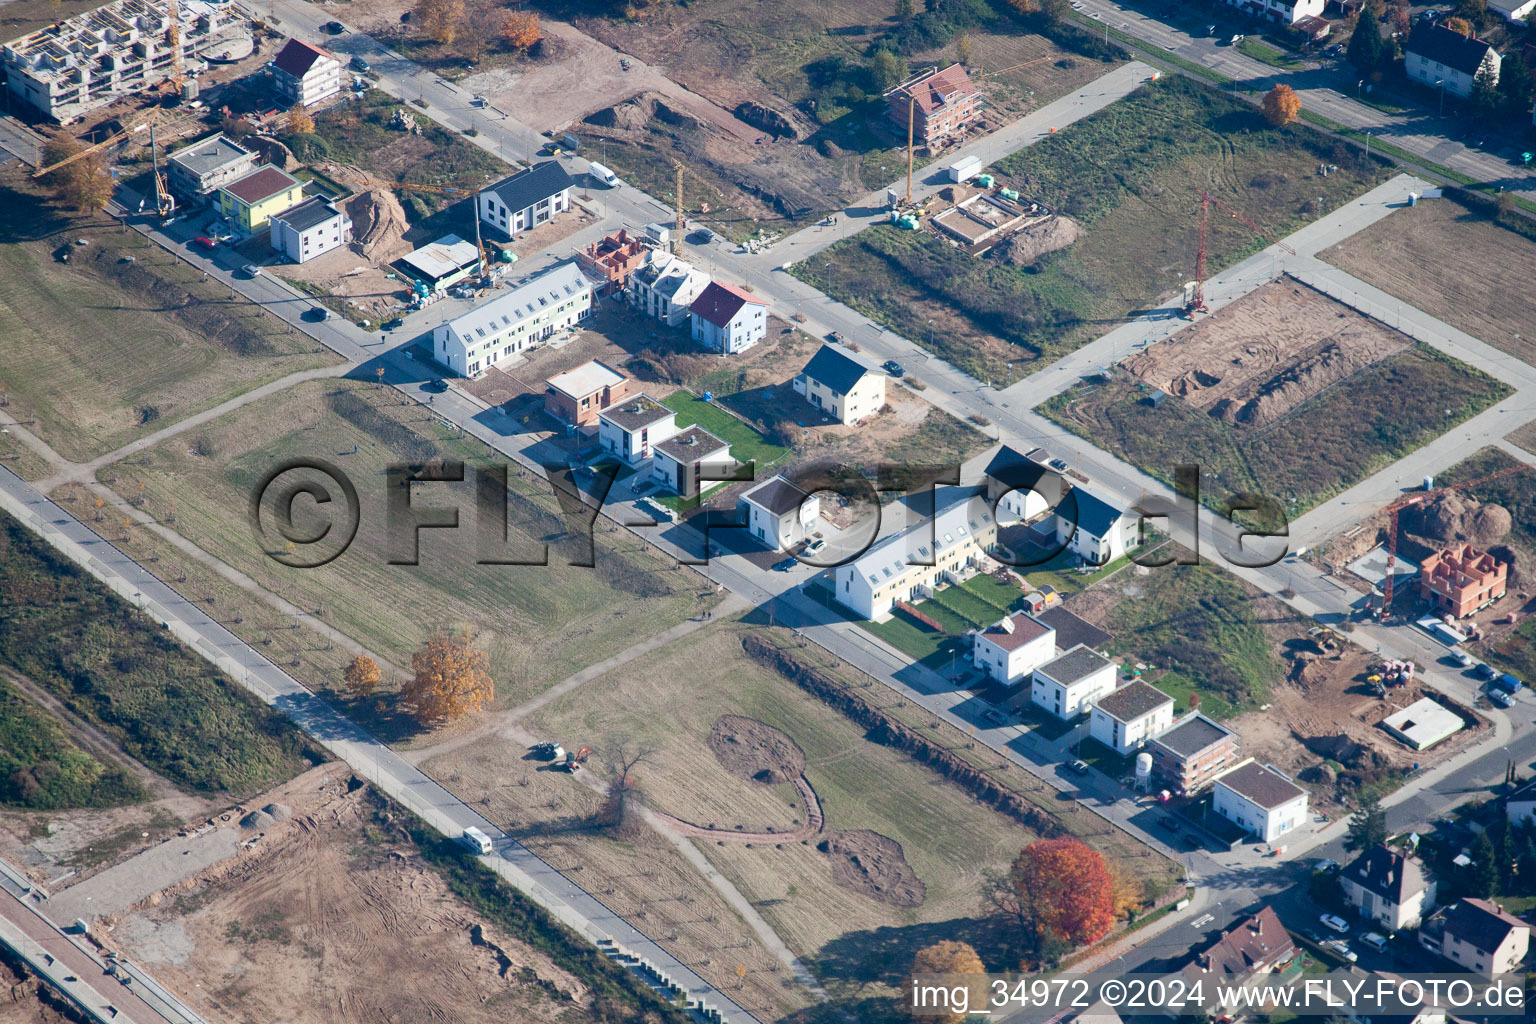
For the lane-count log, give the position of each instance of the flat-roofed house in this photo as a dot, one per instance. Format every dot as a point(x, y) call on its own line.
point(196, 170)
point(691, 462)
point(1126, 718)
point(1069, 684)
point(1190, 754)
point(312, 228)
point(778, 513)
point(249, 201)
point(578, 395)
point(1260, 799)
point(628, 429)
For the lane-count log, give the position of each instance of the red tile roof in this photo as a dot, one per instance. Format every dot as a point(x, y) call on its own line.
point(720, 302)
point(941, 87)
point(296, 58)
point(1025, 628)
point(260, 184)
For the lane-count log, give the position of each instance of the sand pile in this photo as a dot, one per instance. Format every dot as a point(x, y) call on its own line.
point(1033, 241)
point(1454, 517)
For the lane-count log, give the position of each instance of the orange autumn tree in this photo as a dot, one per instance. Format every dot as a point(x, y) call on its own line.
point(521, 30)
point(362, 676)
point(949, 958)
point(1281, 105)
point(451, 679)
point(1066, 894)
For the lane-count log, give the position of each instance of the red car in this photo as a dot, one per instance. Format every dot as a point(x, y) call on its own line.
point(205, 242)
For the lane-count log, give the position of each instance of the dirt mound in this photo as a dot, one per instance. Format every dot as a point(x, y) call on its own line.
point(769, 120)
point(1453, 516)
point(875, 866)
point(378, 226)
point(279, 812)
point(1035, 240)
point(752, 750)
point(630, 116)
point(257, 819)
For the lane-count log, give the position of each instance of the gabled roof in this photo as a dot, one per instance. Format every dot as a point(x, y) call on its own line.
point(720, 302)
point(1133, 701)
point(834, 370)
point(1260, 785)
point(959, 513)
point(296, 58)
point(1095, 516)
point(776, 496)
point(1259, 943)
point(933, 90)
point(1387, 874)
point(555, 285)
point(262, 183)
point(1440, 44)
point(531, 185)
point(1482, 924)
point(1015, 631)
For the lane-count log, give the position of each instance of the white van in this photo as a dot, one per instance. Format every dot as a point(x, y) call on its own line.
point(477, 841)
point(1375, 940)
point(602, 174)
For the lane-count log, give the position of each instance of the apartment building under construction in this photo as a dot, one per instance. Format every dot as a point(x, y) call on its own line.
point(119, 49)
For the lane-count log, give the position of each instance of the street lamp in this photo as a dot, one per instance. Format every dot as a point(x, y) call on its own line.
point(827, 278)
point(1367, 147)
point(1440, 84)
point(1358, 86)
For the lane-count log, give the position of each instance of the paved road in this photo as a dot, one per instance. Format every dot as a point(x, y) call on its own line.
point(345, 739)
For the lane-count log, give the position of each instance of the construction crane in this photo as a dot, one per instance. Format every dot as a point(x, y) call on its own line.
point(1417, 499)
point(173, 38)
point(165, 203)
point(1196, 303)
point(87, 151)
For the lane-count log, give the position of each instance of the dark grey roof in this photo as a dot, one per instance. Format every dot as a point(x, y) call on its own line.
point(834, 370)
point(306, 214)
point(1095, 516)
point(1020, 470)
point(777, 495)
point(1132, 701)
point(529, 186)
point(1387, 873)
point(1440, 44)
point(1072, 629)
point(1194, 734)
point(635, 412)
point(1260, 785)
point(691, 445)
point(1482, 924)
point(1078, 663)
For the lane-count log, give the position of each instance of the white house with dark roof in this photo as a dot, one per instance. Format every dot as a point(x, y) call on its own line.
point(1013, 647)
point(1286, 12)
point(473, 342)
point(1022, 485)
point(907, 565)
point(1095, 530)
point(1482, 937)
point(841, 386)
point(778, 513)
point(305, 74)
point(1126, 718)
point(691, 462)
point(1388, 887)
point(525, 200)
point(665, 286)
point(1260, 799)
point(629, 429)
point(196, 170)
point(728, 319)
point(1069, 684)
point(1445, 59)
point(312, 228)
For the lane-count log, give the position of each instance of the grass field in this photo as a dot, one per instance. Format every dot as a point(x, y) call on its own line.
point(1414, 253)
point(1131, 176)
point(117, 670)
point(1321, 447)
point(537, 623)
point(747, 445)
point(125, 338)
point(41, 768)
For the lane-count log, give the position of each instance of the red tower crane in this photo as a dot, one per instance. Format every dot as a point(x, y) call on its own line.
point(1196, 302)
point(1416, 499)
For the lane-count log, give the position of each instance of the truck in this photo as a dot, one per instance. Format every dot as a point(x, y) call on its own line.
point(477, 841)
point(602, 175)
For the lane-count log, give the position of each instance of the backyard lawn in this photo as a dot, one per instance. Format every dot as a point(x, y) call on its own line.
point(747, 445)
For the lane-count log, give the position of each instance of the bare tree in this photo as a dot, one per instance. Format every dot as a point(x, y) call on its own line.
point(624, 792)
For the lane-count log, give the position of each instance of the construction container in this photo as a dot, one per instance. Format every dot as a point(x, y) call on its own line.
point(965, 168)
point(985, 180)
point(1009, 193)
point(908, 222)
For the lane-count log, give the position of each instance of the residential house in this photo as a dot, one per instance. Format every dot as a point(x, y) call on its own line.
point(1260, 799)
point(665, 287)
point(691, 462)
point(1240, 956)
point(1520, 805)
point(1013, 647)
point(249, 201)
point(1445, 59)
point(196, 170)
point(728, 319)
point(1095, 530)
point(628, 429)
point(1481, 937)
point(1190, 754)
point(1460, 579)
point(778, 513)
point(525, 200)
point(1126, 718)
point(1022, 485)
point(557, 299)
point(312, 228)
point(908, 564)
point(441, 264)
point(1388, 887)
point(578, 395)
point(1513, 10)
point(305, 74)
point(1070, 683)
point(78, 64)
point(612, 259)
point(841, 386)
point(939, 103)
point(1286, 12)
point(1313, 29)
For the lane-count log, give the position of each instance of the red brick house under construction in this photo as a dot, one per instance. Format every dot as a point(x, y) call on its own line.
point(942, 102)
point(1461, 579)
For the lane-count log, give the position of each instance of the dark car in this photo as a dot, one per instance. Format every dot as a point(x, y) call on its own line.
point(437, 384)
point(203, 241)
point(333, 28)
point(390, 325)
point(1078, 768)
point(360, 65)
point(785, 564)
point(894, 368)
point(317, 313)
point(1060, 465)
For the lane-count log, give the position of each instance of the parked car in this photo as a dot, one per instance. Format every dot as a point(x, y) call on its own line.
point(203, 241)
point(317, 313)
point(1509, 683)
point(1078, 768)
point(390, 325)
point(1326, 865)
point(1486, 671)
point(894, 368)
point(359, 65)
point(1463, 659)
point(996, 717)
point(834, 337)
point(1341, 949)
point(814, 545)
point(1375, 940)
point(333, 28)
point(785, 564)
point(1059, 465)
point(251, 270)
point(1499, 697)
point(436, 384)
point(1334, 922)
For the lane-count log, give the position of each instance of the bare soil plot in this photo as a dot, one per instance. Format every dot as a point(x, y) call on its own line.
point(124, 338)
point(303, 925)
point(538, 623)
point(1420, 254)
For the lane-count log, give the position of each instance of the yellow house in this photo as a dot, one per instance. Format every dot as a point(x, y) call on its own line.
point(249, 202)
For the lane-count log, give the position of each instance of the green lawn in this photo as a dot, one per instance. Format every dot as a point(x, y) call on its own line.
point(976, 612)
point(1271, 55)
point(747, 445)
point(1181, 689)
point(41, 769)
point(1001, 596)
point(1063, 573)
